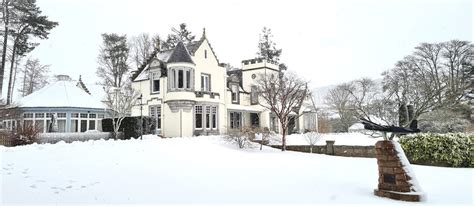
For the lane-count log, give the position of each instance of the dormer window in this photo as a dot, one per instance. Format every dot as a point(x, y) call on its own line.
point(155, 82)
point(235, 93)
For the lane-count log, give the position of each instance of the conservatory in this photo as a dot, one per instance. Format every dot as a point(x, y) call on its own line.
point(62, 106)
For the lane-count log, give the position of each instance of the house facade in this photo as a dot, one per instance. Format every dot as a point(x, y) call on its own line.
point(189, 93)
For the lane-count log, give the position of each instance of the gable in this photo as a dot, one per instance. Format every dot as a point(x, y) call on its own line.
point(202, 49)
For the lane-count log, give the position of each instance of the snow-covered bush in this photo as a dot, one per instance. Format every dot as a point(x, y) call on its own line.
point(242, 137)
point(23, 135)
point(452, 149)
point(71, 137)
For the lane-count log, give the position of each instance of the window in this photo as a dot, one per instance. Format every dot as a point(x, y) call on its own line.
point(74, 126)
point(155, 113)
point(39, 115)
point(83, 125)
point(253, 95)
point(83, 115)
point(28, 115)
point(235, 120)
point(180, 78)
point(91, 124)
point(198, 116)
point(48, 115)
point(27, 123)
point(155, 82)
point(75, 115)
point(205, 54)
point(205, 82)
point(235, 93)
point(101, 116)
point(39, 124)
point(61, 115)
point(92, 116)
point(208, 117)
point(61, 125)
point(214, 117)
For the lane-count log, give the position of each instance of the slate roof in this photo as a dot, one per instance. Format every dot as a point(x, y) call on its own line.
point(180, 54)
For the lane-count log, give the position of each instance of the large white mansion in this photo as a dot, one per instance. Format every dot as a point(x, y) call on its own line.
point(190, 93)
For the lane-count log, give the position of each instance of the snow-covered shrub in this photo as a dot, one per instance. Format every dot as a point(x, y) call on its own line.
point(242, 137)
point(24, 134)
point(71, 137)
point(452, 149)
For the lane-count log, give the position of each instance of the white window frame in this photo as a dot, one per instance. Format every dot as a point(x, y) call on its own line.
point(205, 82)
point(155, 76)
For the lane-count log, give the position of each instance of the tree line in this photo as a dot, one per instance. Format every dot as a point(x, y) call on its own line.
point(434, 82)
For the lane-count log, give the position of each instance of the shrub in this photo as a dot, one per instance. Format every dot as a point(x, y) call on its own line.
point(242, 137)
point(24, 135)
point(131, 126)
point(451, 149)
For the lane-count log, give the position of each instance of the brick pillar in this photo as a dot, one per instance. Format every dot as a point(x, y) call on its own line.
point(394, 182)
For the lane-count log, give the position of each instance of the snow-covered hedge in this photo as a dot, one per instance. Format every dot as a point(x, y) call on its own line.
point(71, 137)
point(452, 149)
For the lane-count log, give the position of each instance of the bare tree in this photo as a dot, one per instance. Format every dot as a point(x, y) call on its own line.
point(35, 76)
point(119, 101)
point(339, 99)
point(312, 138)
point(458, 56)
point(141, 47)
point(282, 94)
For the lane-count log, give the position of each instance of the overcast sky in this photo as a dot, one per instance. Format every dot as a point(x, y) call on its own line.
point(327, 42)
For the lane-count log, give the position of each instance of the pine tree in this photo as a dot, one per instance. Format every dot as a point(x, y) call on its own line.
point(25, 23)
point(266, 47)
point(182, 34)
point(112, 60)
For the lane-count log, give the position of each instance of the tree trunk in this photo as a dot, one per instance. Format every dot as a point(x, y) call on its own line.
point(283, 140)
point(14, 78)
point(10, 78)
point(6, 19)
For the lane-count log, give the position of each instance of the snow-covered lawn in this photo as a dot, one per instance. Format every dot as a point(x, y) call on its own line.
point(202, 170)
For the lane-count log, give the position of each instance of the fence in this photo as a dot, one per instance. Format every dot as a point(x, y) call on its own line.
point(331, 149)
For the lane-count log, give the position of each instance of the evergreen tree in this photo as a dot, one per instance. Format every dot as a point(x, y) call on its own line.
point(266, 47)
point(112, 60)
point(182, 34)
point(24, 23)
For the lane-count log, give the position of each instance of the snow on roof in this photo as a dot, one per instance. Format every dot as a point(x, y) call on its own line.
point(60, 94)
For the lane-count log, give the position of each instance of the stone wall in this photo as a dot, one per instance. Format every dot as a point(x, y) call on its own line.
point(331, 149)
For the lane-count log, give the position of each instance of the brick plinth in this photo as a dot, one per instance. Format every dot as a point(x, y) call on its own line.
point(393, 179)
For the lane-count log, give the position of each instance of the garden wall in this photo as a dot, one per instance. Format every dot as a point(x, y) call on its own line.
point(331, 149)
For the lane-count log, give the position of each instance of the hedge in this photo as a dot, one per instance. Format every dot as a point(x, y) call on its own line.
point(452, 149)
point(130, 126)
